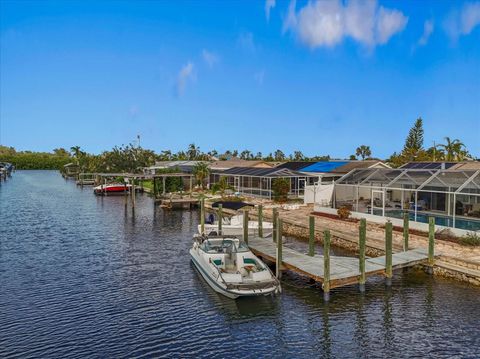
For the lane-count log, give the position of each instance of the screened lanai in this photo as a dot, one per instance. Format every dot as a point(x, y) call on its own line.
point(451, 196)
point(258, 181)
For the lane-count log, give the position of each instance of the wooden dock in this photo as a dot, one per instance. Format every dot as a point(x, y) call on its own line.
point(333, 271)
point(185, 202)
point(344, 270)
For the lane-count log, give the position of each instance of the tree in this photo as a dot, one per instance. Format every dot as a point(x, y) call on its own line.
point(61, 152)
point(165, 155)
point(221, 186)
point(414, 142)
point(201, 171)
point(363, 151)
point(298, 156)
point(259, 156)
point(213, 154)
point(246, 155)
point(454, 150)
point(353, 157)
point(193, 152)
point(77, 153)
point(279, 155)
point(280, 188)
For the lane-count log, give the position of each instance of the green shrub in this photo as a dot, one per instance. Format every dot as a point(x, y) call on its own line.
point(470, 239)
point(280, 187)
point(343, 212)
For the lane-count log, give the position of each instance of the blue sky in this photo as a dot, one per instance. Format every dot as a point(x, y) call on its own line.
point(320, 77)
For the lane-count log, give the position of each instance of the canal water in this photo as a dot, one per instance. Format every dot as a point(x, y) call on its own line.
point(84, 277)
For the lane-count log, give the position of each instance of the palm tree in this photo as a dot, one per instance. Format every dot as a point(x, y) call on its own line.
point(363, 151)
point(193, 151)
point(165, 155)
point(245, 155)
point(454, 150)
point(201, 171)
point(279, 155)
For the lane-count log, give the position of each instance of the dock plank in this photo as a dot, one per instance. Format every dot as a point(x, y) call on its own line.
point(343, 270)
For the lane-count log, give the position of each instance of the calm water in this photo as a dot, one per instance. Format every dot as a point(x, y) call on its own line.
point(81, 277)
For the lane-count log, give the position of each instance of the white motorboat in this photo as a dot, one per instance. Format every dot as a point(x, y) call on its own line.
point(231, 269)
point(233, 226)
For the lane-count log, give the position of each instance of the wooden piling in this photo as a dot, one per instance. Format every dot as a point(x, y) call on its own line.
point(311, 239)
point(155, 187)
point(245, 226)
point(202, 215)
point(274, 219)
point(406, 225)
point(362, 238)
point(279, 230)
point(388, 253)
point(191, 186)
point(260, 221)
point(220, 219)
point(133, 194)
point(431, 244)
point(326, 265)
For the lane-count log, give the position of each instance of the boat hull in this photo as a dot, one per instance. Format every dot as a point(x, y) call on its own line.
point(111, 189)
point(220, 288)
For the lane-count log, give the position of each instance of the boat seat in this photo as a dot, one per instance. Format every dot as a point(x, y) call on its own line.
point(217, 262)
point(249, 261)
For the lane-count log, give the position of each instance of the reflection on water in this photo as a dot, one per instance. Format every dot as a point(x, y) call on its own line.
point(85, 276)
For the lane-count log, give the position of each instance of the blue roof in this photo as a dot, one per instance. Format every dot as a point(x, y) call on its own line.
point(324, 166)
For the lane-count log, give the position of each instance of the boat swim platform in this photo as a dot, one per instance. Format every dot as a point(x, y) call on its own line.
point(343, 270)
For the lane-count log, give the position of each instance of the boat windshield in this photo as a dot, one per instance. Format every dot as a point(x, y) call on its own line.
point(226, 245)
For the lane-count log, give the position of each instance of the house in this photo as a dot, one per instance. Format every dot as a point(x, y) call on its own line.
point(448, 192)
point(237, 162)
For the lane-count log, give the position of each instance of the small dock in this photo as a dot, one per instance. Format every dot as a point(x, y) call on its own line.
point(184, 202)
point(344, 270)
point(86, 179)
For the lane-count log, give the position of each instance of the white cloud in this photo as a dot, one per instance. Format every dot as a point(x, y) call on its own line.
point(427, 31)
point(389, 22)
point(290, 22)
point(464, 21)
point(470, 17)
point(327, 23)
point(360, 21)
point(209, 57)
point(269, 5)
point(186, 73)
point(259, 76)
point(245, 40)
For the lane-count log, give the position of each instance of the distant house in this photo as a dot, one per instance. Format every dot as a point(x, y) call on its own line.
point(237, 162)
point(441, 165)
point(182, 166)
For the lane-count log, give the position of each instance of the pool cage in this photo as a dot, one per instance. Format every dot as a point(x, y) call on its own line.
point(452, 196)
point(257, 182)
